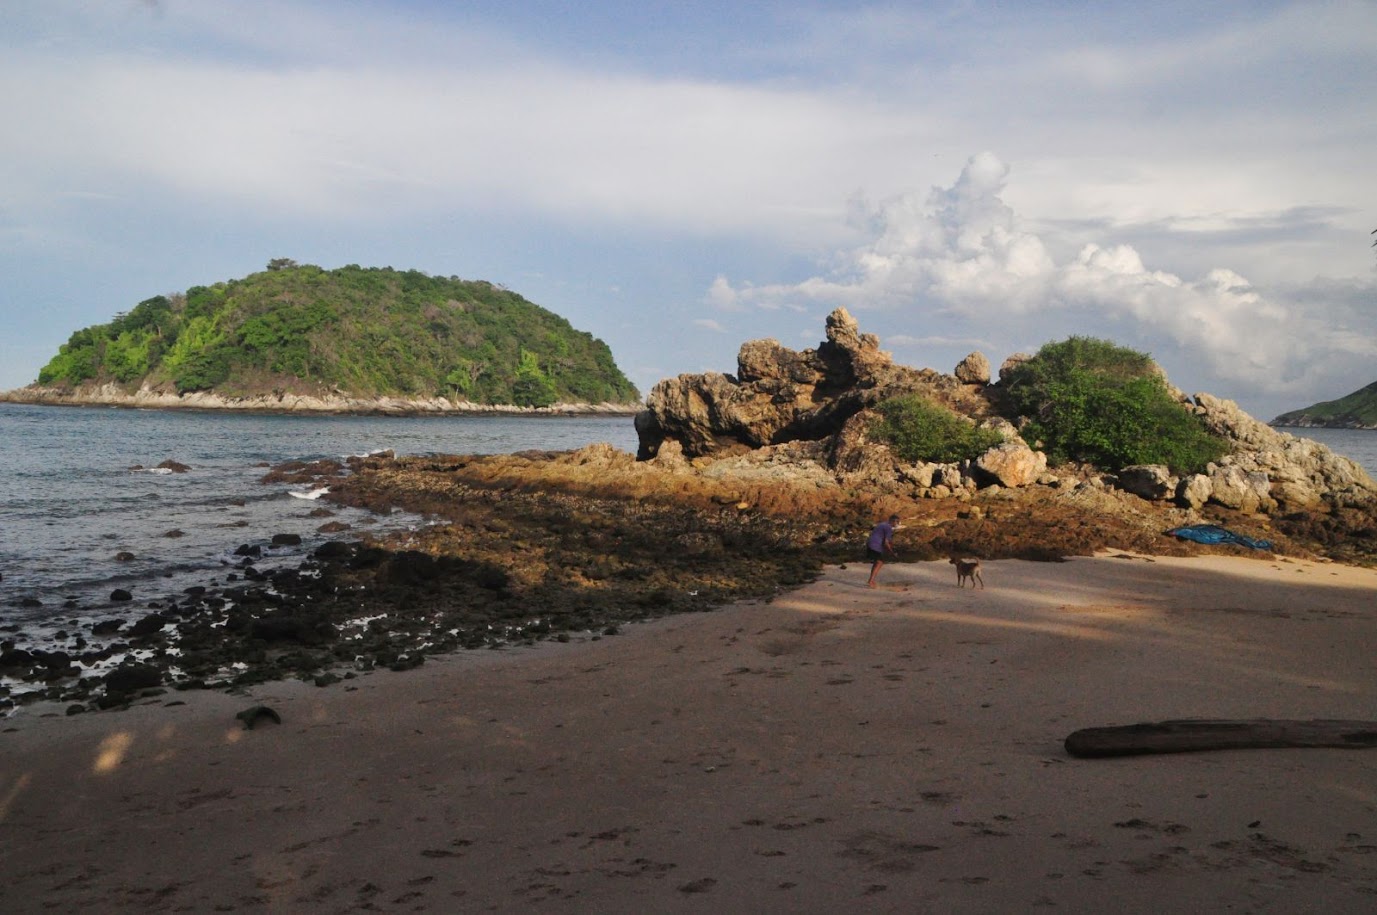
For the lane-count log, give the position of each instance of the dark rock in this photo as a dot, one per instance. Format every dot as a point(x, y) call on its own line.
point(257, 715)
point(333, 549)
point(245, 549)
point(124, 556)
point(173, 466)
point(106, 627)
point(30, 602)
point(153, 622)
point(131, 678)
point(174, 533)
point(120, 594)
point(286, 540)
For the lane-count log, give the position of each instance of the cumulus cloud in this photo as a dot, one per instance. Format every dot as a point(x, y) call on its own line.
point(961, 254)
point(710, 324)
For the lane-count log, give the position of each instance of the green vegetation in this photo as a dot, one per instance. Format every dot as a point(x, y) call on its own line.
point(921, 431)
point(365, 332)
point(1090, 400)
point(1355, 411)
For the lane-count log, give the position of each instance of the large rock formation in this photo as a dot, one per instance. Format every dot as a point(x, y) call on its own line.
point(780, 401)
point(779, 395)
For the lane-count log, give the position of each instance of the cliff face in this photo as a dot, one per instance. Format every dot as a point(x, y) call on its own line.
point(811, 414)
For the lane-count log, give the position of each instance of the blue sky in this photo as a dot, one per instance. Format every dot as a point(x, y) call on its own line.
point(1191, 180)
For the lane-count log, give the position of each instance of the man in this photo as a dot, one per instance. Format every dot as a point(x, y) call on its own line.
point(881, 541)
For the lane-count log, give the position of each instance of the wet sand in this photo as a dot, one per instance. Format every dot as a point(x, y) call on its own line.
point(837, 749)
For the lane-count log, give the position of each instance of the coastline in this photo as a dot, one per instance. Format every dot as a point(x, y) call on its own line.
point(837, 748)
point(147, 399)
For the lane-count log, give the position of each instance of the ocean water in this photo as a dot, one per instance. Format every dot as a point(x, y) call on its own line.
point(70, 502)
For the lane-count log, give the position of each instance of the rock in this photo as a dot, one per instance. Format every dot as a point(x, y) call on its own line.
point(124, 556)
point(258, 714)
point(780, 395)
point(173, 466)
point(1148, 481)
point(1013, 362)
point(974, 369)
point(1233, 487)
point(120, 594)
point(153, 622)
point(1012, 464)
point(333, 549)
point(131, 678)
point(1304, 474)
point(1194, 490)
point(286, 540)
point(106, 627)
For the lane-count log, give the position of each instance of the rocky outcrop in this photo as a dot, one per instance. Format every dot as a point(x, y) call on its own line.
point(779, 395)
point(824, 398)
point(974, 369)
point(1299, 474)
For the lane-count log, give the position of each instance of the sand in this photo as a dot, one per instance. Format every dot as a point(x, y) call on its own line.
point(837, 749)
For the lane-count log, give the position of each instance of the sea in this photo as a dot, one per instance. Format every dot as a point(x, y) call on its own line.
point(80, 494)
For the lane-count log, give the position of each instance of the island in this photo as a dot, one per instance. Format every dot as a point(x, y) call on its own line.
point(296, 337)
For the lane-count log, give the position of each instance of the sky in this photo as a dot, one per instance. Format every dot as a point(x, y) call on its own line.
point(1190, 180)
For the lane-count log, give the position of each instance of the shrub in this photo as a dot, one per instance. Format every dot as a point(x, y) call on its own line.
point(1091, 400)
point(921, 431)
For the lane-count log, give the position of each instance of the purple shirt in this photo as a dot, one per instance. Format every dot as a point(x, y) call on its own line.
point(879, 536)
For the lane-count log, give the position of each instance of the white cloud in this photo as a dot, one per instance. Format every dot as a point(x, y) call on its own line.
point(710, 324)
point(962, 255)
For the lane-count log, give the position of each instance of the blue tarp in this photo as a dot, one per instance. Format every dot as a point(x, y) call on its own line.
point(1213, 533)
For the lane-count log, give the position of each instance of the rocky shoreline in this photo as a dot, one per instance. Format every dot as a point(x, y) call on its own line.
point(572, 546)
point(111, 395)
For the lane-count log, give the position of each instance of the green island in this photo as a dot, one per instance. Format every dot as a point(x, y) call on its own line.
point(352, 332)
point(1354, 411)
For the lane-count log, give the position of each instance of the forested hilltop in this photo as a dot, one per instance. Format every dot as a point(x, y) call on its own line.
point(351, 332)
point(1355, 411)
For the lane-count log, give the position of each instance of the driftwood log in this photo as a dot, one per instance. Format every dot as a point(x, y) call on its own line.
point(1191, 735)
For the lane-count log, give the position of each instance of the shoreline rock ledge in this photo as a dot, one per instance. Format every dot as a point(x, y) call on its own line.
point(147, 398)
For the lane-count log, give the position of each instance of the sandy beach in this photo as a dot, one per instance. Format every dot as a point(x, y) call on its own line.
point(836, 749)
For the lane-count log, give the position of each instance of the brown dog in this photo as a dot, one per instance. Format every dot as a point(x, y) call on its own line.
point(968, 569)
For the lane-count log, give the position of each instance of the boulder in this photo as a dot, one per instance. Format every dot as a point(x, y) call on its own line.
point(1193, 491)
point(974, 369)
point(1013, 362)
point(1012, 464)
point(1148, 481)
point(1233, 487)
point(132, 677)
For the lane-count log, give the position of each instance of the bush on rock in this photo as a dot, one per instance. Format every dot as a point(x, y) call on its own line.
point(1091, 400)
point(920, 431)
